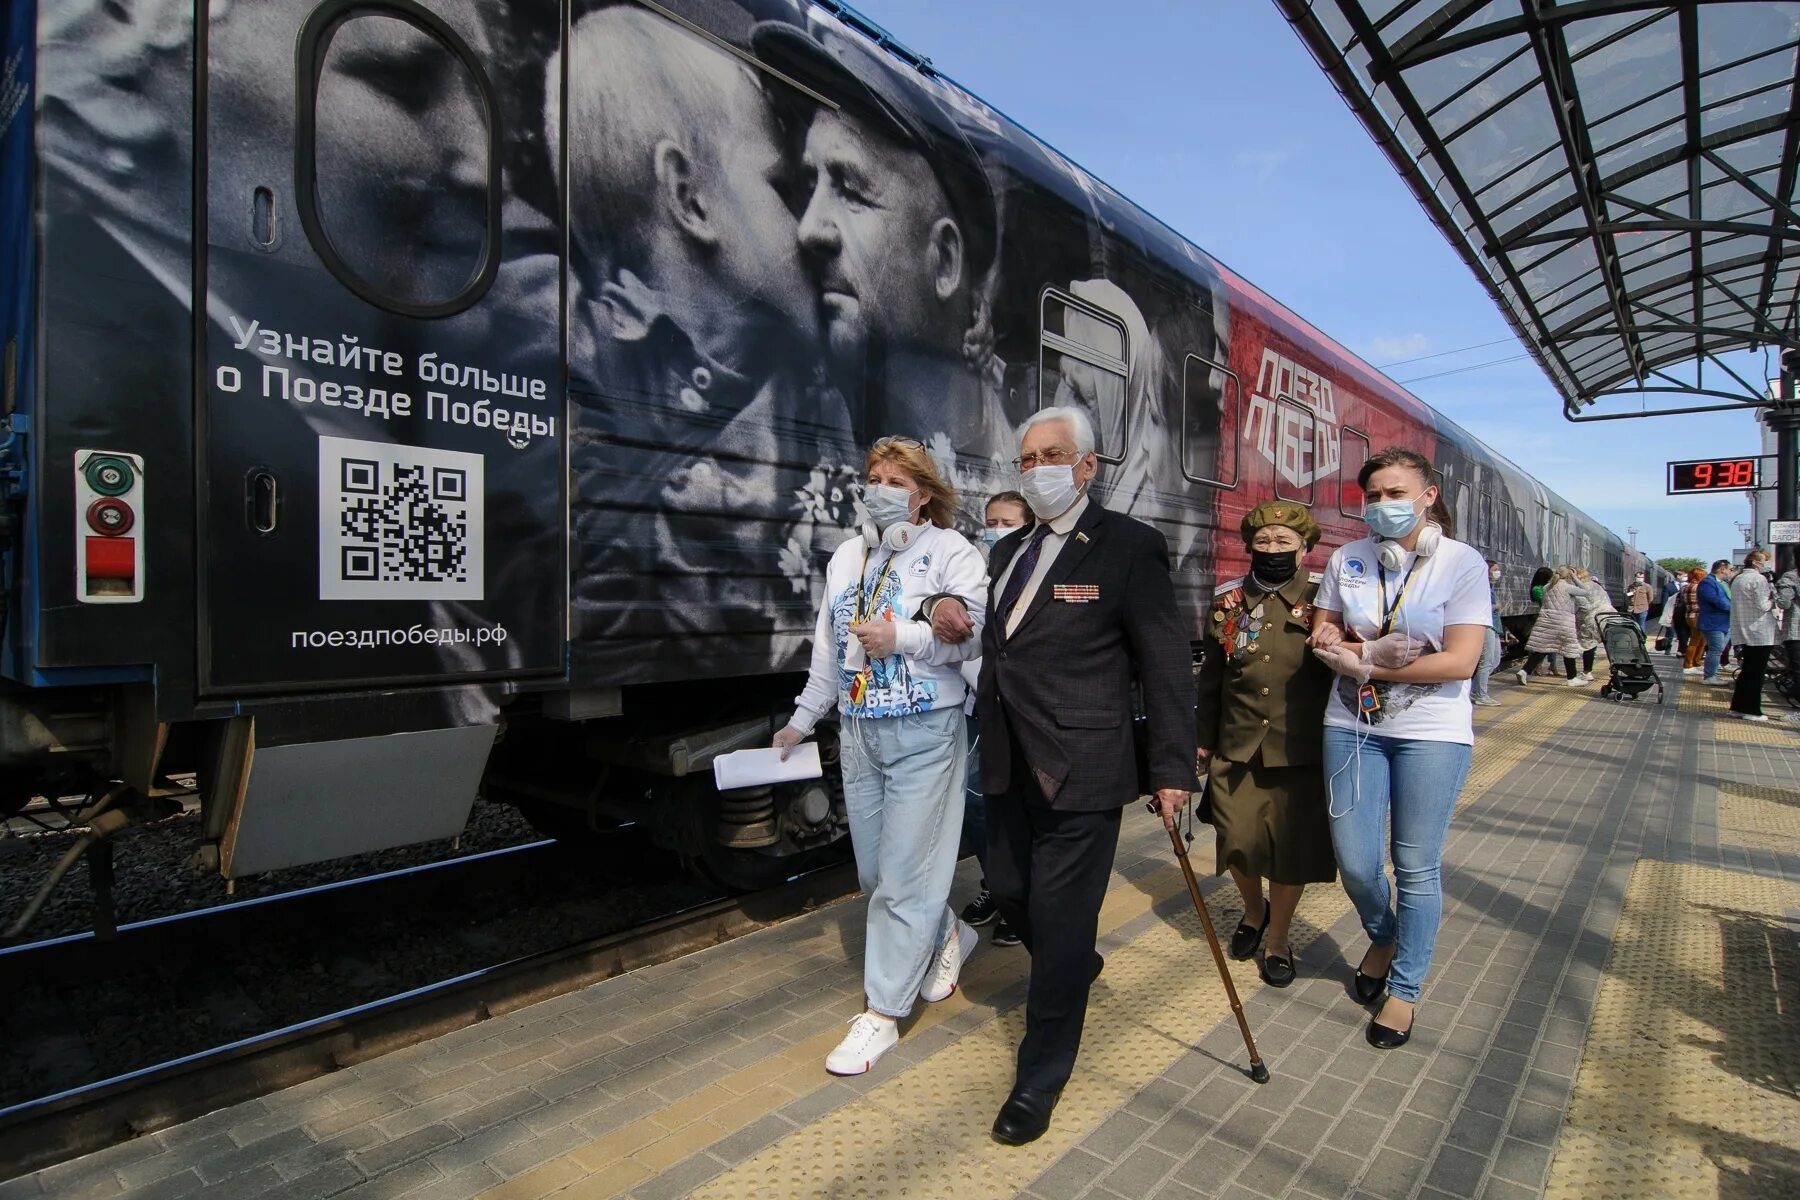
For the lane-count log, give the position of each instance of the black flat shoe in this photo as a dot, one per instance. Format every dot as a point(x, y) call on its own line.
point(1247, 937)
point(1369, 987)
point(1099, 966)
point(1277, 970)
point(1383, 1038)
point(1025, 1116)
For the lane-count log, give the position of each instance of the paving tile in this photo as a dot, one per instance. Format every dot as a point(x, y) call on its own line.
point(1457, 1172)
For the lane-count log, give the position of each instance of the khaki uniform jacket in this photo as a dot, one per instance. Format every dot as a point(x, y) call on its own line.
point(1260, 685)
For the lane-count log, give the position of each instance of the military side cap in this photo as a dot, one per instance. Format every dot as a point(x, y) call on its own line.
point(1281, 512)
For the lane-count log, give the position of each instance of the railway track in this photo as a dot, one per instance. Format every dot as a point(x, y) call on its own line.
point(400, 1008)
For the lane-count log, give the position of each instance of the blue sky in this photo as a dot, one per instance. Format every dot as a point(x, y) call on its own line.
point(1213, 116)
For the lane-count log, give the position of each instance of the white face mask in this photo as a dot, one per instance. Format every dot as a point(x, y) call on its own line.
point(1050, 490)
point(887, 505)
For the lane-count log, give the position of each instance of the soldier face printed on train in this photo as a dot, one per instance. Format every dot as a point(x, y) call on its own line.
point(399, 138)
point(678, 191)
point(888, 255)
point(401, 159)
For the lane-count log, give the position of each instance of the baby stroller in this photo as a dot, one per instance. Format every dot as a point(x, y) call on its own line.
point(1631, 672)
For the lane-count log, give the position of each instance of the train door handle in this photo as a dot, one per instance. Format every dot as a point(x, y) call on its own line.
point(262, 501)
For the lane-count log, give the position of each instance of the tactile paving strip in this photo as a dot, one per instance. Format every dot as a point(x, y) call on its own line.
point(1776, 732)
point(1753, 815)
point(1690, 1079)
point(923, 1132)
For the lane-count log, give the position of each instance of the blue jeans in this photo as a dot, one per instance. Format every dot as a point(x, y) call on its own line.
point(974, 818)
point(903, 787)
point(1415, 783)
point(1715, 647)
point(1490, 658)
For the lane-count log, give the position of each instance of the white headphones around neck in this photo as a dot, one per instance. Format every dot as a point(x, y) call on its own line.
point(898, 537)
point(1393, 554)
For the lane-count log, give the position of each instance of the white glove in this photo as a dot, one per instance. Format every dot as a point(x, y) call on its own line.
point(786, 738)
point(1345, 661)
point(1394, 650)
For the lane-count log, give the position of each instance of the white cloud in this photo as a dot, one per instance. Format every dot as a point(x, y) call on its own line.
point(1393, 349)
point(1263, 164)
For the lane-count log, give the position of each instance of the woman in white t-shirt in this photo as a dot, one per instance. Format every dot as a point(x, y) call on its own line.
point(1401, 618)
point(899, 695)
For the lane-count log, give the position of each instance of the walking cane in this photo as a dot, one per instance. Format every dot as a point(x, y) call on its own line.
point(1258, 1072)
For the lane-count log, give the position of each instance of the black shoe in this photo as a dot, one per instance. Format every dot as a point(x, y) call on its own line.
point(1025, 1116)
point(1247, 937)
point(981, 910)
point(1368, 987)
point(1383, 1038)
point(1277, 970)
point(1004, 934)
point(1099, 965)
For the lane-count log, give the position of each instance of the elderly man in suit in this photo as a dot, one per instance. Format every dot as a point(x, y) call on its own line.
point(1081, 605)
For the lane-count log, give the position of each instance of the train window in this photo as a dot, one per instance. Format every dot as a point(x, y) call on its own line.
point(1296, 450)
point(1209, 422)
point(1083, 361)
point(1353, 452)
point(397, 156)
point(1484, 522)
point(1462, 511)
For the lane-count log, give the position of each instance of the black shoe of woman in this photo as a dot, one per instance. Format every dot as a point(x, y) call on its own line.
point(1247, 937)
point(1369, 987)
point(1277, 970)
point(1383, 1038)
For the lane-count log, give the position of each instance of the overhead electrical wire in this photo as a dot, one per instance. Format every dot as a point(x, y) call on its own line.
point(1459, 370)
point(1441, 353)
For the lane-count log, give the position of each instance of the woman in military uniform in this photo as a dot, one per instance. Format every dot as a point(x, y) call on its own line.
point(1260, 733)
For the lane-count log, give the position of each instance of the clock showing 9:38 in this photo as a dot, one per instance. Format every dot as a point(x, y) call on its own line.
point(1715, 475)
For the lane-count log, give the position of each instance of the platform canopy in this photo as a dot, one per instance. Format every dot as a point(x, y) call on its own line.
point(1619, 174)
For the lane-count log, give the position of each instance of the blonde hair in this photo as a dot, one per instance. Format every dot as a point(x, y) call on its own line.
point(1568, 573)
point(915, 460)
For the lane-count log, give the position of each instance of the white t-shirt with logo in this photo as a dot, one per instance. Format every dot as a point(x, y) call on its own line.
point(1449, 587)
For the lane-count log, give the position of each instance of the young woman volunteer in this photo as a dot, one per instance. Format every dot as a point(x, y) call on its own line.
point(1006, 511)
point(899, 695)
point(1400, 618)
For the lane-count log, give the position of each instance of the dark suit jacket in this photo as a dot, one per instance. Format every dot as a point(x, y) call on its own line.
point(1062, 682)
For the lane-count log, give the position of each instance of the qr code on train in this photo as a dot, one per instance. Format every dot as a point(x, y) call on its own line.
point(398, 522)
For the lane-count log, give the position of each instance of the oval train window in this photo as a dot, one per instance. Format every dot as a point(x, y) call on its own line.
point(397, 156)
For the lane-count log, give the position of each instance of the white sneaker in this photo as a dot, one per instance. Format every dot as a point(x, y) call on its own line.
point(947, 964)
point(1715, 681)
point(1524, 679)
point(1578, 681)
point(1750, 716)
point(1693, 670)
point(869, 1038)
point(1586, 677)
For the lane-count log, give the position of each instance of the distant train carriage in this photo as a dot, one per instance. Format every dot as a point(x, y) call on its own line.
point(411, 398)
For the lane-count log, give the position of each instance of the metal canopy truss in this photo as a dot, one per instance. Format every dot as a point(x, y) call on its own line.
point(1619, 174)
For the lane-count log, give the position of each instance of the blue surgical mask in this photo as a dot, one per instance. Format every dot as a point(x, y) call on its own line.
point(991, 537)
point(887, 505)
point(1391, 518)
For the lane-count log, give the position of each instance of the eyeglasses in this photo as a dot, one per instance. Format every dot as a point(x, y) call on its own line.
point(1056, 456)
point(905, 443)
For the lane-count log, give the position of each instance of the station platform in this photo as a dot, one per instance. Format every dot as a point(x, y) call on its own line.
point(1610, 1013)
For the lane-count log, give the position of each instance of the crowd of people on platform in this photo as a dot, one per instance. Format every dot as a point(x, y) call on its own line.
point(989, 706)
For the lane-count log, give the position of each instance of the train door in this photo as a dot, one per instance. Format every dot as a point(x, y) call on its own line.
point(381, 401)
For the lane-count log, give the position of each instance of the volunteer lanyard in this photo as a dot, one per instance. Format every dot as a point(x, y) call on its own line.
point(1388, 614)
point(866, 601)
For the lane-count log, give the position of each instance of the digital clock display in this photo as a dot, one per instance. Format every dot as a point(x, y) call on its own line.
point(1714, 475)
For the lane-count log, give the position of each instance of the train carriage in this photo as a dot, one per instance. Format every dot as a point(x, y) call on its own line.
point(411, 399)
